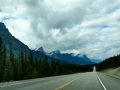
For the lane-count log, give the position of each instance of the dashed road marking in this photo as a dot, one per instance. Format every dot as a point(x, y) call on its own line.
point(66, 84)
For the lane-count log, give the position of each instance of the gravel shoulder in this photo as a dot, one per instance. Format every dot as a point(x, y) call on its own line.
point(113, 72)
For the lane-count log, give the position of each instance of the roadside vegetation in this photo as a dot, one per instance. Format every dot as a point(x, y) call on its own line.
point(112, 62)
point(13, 68)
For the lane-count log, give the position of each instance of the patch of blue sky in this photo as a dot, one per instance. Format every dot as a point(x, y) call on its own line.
point(105, 26)
point(116, 8)
point(25, 18)
point(8, 18)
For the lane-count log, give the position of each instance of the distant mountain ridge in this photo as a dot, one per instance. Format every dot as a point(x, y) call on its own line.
point(96, 60)
point(16, 44)
point(39, 52)
point(72, 58)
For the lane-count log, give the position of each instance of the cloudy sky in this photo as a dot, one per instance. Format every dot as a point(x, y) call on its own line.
point(90, 27)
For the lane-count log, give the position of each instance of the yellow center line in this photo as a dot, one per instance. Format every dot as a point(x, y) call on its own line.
point(66, 84)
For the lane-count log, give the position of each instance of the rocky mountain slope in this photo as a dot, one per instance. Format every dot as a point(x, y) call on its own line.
point(39, 52)
point(76, 59)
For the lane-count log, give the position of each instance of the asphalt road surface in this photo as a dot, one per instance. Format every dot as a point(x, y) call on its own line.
point(79, 81)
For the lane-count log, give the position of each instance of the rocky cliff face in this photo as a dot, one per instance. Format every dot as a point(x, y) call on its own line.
point(16, 44)
point(2, 25)
point(8, 38)
point(4, 33)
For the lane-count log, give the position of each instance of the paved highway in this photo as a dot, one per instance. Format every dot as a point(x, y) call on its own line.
point(79, 81)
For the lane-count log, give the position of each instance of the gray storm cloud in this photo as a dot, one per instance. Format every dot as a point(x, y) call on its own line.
point(78, 26)
point(46, 17)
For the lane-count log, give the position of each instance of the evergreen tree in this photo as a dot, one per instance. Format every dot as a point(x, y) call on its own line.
point(119, 60)
point(35, 68)
point(112, 62)
point(34, 73)
point(30, 64)
point(2, 65)
point(40, 70)
point(25, 66)
point(58, 68)
point(5, 75)
point(19, 77)
point(52, 67)
point(11, 72)
point(22, 61)
point(13, 63)
point(4, 56)
point(45, 67)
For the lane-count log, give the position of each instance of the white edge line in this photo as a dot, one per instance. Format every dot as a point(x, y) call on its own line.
point(101, 82)
point(9, 85)
point(20, 83)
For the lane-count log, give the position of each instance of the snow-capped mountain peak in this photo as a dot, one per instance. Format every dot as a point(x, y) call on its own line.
point(57, 51)
point(54, 52)
point(79, 55)
point(40, 49)
point(73, 54)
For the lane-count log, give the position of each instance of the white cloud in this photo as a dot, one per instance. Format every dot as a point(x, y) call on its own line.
point(54, 32)
point(79, 26)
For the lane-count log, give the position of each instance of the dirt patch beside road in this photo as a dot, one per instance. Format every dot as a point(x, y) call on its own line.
point(112, 71)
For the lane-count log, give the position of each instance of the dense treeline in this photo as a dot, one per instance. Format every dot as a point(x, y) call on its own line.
point(27, 67)
point(112, 62)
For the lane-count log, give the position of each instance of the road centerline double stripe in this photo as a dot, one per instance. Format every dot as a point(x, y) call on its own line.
point(66, 84)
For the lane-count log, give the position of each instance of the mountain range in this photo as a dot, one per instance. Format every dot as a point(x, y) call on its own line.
point(39, 52)
point(69, 57)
